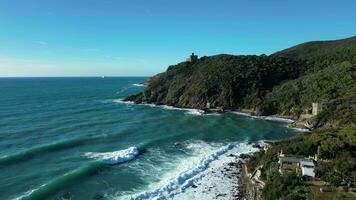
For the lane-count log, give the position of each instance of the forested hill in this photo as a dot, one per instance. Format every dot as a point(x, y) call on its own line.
point(286, 82)
point(322, 54)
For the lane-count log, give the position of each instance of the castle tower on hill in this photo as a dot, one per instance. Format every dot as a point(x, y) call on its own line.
point(192, 58)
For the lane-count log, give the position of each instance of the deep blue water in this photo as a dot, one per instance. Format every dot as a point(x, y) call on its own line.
point(58, 134)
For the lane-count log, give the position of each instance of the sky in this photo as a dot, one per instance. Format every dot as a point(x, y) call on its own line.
point(144, 37)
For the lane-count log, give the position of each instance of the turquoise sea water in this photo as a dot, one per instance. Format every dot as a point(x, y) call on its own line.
point(72, 138)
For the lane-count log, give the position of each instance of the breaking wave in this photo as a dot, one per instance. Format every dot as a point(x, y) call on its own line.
point(270, 118)
point(189, 111)
point(115, 157)
point(138, 85)
point(185, 179)
point(103, 159)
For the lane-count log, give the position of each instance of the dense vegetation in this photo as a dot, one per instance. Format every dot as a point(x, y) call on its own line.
point(223, 80)
point(321, 54)
point(334, 86)
point(337, 150)
point(285, 83)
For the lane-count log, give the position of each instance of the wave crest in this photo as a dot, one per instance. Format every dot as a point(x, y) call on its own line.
point(185, 179)
point(138, 85)
point(115, 157)
point(270, 118)
point(32, 152)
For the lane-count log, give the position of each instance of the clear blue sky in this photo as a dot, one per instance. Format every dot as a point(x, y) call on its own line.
point(143, 37)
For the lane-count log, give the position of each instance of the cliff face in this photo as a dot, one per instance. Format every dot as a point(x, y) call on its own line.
point(222, 80)
point(286, 82)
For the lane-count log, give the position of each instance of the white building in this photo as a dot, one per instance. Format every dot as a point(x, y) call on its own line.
point(302, 166)
point(307, 168)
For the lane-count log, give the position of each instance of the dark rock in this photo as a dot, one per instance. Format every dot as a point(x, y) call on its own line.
point(99, 197)
point(240, 162)
point(194, 186)
point(233, 164)
point(245, 156)
point(257, 146)
point(67, 196)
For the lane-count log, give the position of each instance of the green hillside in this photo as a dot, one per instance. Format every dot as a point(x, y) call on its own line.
point(321, 54)
point(334, 86)
point(285, 83)
point(223, 80)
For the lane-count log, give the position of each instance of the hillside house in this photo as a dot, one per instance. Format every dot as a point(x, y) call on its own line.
point(307, 168)
point(302, 166)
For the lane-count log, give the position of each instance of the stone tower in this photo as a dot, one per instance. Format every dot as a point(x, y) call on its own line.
point(317, 108)
point(192, 58)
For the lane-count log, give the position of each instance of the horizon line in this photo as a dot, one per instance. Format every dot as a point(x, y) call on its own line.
point(74, 76)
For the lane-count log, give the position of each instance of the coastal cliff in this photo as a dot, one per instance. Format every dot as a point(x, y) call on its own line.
point(314, 83)
point(285, 83)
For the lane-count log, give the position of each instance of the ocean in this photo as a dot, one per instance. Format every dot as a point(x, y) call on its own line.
point(74, 138)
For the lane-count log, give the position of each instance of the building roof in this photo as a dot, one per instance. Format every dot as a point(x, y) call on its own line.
point(308, 171)
point(293, 159)
point(307, 163)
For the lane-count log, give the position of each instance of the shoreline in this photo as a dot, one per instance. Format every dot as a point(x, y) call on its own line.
point(232, 173)
point(221, 180)
point(243, 112)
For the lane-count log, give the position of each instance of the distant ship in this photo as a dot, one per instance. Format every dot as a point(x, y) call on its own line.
point(103, 77)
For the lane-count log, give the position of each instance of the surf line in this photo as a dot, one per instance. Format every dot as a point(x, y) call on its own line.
point(102, 161)
point(32, 152)
point(55, 185)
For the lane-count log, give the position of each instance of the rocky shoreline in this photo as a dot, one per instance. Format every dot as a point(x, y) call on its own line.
point(296, 123)
point(222, 179)
point(232, 171)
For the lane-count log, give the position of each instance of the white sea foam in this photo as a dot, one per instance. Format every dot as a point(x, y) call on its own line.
point(299, 129)
point(28, 193)
point(219, 180)
point(210, 155)
point(138, 85)
point(270, 118)
point(188, 111)
point(121, 101)
point(115, 157)
point(192, 111)
point(242, 113)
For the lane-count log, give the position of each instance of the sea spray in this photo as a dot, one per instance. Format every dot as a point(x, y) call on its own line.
point(185, 179)
point(269, 118)
point(221, 177)
point(138, 85)
point(115, 157)
point(189, 111)
point(93, 167)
